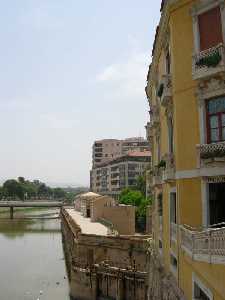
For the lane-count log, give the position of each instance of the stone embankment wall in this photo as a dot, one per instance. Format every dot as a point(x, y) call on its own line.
point(161, 286)
point(104, 267)
point(114, 268)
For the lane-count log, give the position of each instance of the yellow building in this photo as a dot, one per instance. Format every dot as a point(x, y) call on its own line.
point(186, 93)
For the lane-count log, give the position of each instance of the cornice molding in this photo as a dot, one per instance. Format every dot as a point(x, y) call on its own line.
point(162, 40)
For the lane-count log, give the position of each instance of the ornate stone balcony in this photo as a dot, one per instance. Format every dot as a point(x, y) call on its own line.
point(165, 90)
point(168, 173)
point(205, 246)
point(209, 62)
point(149, 131)
point(211, 155)
point(156, 177)
point(154, 116)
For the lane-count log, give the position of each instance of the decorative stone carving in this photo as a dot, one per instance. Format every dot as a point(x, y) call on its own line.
point(169, 110)
point(158, 132)
point(210, 88)
point(212, 179)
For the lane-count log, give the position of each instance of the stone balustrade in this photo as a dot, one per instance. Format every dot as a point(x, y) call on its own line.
point(157, 177)
point(166, 90)
point(154, 116)
point(206, 246)
point(149, 131)
point(209, 62)
point(211, 153)
point(169, 173)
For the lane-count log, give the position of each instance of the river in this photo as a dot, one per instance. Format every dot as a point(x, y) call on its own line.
point(32, 262)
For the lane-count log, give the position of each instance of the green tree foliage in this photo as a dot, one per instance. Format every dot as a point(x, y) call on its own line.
point(141, 184)
point(31, 190)
point(13, 189)
point(137, 197)
point(59, 193)
point(131, 197)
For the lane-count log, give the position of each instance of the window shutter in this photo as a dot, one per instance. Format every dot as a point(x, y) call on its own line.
point(210, 29)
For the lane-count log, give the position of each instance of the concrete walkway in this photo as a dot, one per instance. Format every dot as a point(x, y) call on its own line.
point(87, 227)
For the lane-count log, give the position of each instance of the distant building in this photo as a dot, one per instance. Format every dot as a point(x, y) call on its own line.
point(105, 150)
point(135, 144)
point(111, 177)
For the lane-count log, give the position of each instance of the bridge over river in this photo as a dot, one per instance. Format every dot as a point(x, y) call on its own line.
point(23, 204)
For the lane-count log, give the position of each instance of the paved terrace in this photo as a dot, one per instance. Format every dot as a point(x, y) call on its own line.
point(86, 226)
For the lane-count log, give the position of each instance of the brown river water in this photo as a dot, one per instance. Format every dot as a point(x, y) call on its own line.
point(32, 265)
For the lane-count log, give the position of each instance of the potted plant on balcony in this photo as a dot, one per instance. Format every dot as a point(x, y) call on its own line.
point(210, 61)
point(162, 164)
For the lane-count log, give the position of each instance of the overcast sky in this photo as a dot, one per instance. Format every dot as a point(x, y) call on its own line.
point(72, 71)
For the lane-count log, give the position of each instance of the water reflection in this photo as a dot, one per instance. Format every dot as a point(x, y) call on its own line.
point(31, 259)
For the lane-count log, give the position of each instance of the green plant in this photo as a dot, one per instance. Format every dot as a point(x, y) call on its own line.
point(161, 164)
point(160, 90)
point(211, 60)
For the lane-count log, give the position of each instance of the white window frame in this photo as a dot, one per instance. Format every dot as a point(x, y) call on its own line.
point(202, 111)
point(200, 8)
point(198, 282)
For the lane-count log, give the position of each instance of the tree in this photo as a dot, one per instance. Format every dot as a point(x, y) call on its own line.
point(59, 193)
point(141, 184)
point(21, 180)
point(13, 189)
point(131, 197)
point(2, 192)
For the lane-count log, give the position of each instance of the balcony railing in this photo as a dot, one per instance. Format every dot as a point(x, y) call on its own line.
point(154, 116)
point(149, 131)
point(211, 153)
point(165, 90)
point(173, 231)
point(206, 246)
point(169, 173)
point(209, 62)
point(157, 177)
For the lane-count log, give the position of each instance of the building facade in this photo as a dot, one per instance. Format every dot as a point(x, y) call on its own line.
point(112, 177)
point(186, 93)
point(108, 149)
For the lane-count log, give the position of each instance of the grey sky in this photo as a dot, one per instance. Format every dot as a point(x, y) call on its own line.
point(71, 72)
